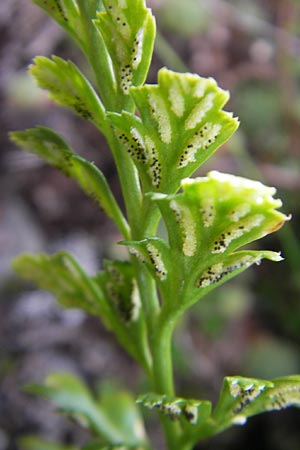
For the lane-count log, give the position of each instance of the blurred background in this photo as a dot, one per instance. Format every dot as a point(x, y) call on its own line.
point(251, 326)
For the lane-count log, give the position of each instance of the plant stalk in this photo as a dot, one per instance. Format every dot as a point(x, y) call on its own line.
point(98, 57)
point(163, 379)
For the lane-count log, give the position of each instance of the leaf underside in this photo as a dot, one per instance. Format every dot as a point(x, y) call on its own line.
point(181, 124)
point(50, 146)
point(68, 87)
point(240, 399)
point(129, 39)
point(206, 224)
point(111, 295)
point(111, 414)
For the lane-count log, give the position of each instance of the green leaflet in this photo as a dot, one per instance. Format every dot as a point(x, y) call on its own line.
point(181, 124)
point(61, 275)
point(157, 256)
point(112, 415)
point(129, 39)
point(242, 398)
point(67, 14)
point(153, 252)
point(120, 287)
point(117, 43)
point(111, 295)
point(187, 411)
point(126, 415)
point(206, 224)
point(68, 87)
point(229, 211)
point(77, 18)
point(52, 147)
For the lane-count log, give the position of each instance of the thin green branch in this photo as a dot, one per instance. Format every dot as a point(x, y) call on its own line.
point(98, 57)
point(163, 379)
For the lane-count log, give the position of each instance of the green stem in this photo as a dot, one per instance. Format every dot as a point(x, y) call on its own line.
point(149, 299)
point(163, 381)
point(137, 208)
point(159, 335)
point(98, 57)
point(287, 237)
point(161, 376)
point(138, 352)
point(160, 328)
point(161, 351)
point(130, 184)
